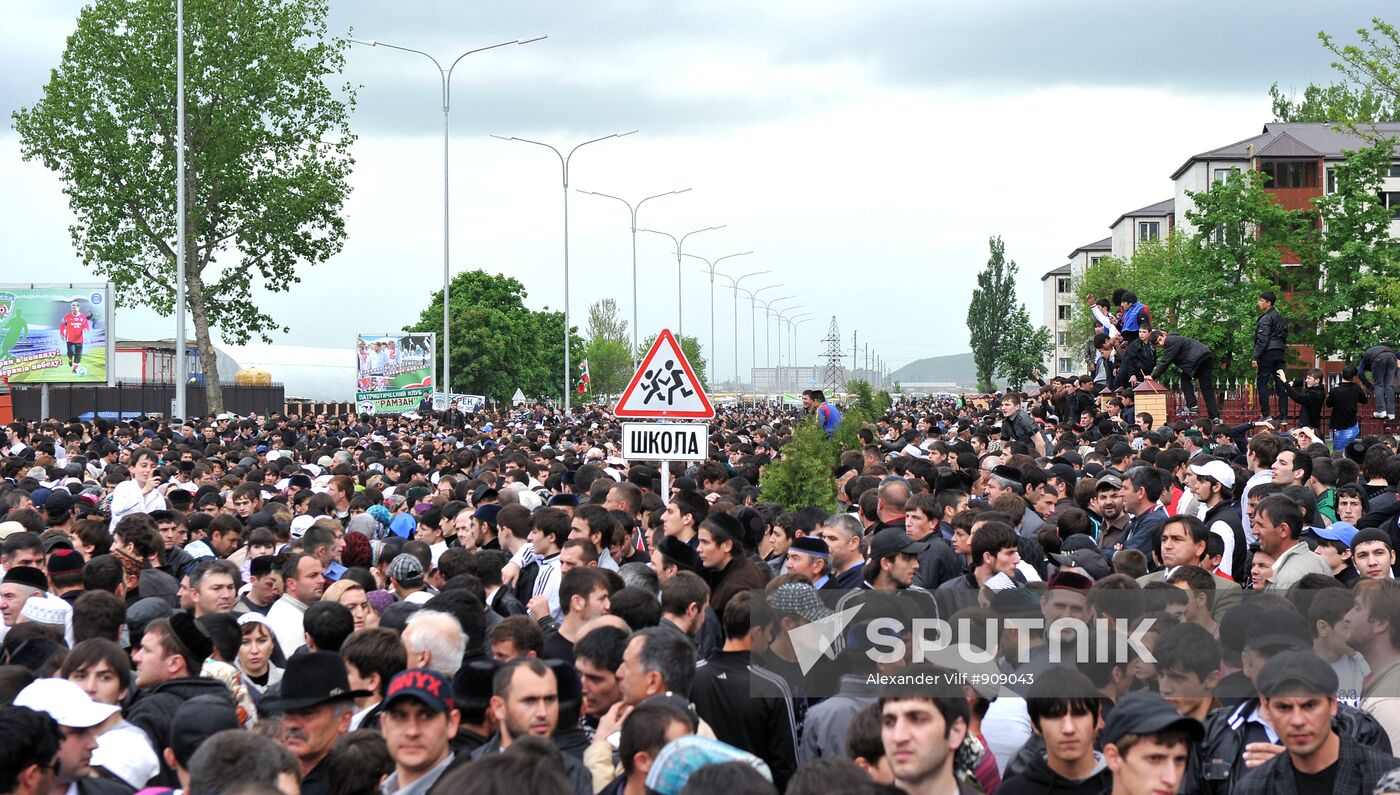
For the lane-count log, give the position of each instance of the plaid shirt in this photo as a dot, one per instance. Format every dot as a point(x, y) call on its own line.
point(1359, 768)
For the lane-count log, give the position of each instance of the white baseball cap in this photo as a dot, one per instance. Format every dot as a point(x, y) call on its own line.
point(1216, 470)
point(65, 702)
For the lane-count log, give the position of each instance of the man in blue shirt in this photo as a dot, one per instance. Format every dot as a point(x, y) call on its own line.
point(828, 416)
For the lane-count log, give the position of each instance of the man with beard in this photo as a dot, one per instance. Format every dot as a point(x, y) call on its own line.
point(525, 702)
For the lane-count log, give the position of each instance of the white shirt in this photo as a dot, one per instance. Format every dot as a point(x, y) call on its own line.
point(126, 751)
point(128, 499)
point(1258, 478)
point(437, 550)
point(1351, 671)
point(287, 619)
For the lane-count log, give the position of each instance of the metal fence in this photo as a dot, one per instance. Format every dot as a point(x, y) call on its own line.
point(133, 400)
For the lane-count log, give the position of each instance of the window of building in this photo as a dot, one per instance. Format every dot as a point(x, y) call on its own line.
point(1149, 230)
point(1395, 170)
point(1094, 261)
point(1063, 312)
point(1290, 173)
point(1222, 174)
point(1064, 339)
point(1392, 200)
point(1064, 364)
point(1062, 285)
point(1332, 180)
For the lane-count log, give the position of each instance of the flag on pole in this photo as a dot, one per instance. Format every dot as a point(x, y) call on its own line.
point(583, 379)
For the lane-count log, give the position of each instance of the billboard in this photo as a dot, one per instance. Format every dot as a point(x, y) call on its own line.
point(57, 333)
point(393, 372)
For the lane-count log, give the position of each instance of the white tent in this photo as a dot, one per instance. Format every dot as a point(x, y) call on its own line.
point(320, 374)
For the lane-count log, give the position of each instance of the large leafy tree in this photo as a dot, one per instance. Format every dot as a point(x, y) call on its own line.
point(1024, 348)
point(608, 351)
point(267, 145)
point(1236, 251)
point(498, 343)
point(1358, 255)
point(993, 301)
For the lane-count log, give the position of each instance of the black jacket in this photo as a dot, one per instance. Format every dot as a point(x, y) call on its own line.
point(1139, 357)
point(1344, 398)
point(1310, 400)
point(1270, 334)
point(1038, 779)
point(1359, 769)
point(1221, 767)
point(724, 693)
point(154, 711)
point(1184, 352)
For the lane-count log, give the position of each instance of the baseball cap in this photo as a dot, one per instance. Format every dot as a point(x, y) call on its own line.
point(197, 720)
point(1278, 626)
point(59, 502)
point(65, 702)
point(893, 541)
point(1216, 470)
point(428, 686)
point(1064, 472)
point(1147, 713)
point(406, 569)
point(1338, 531)
point(1293, 668)
point(1108, 482)
point(1089, 561)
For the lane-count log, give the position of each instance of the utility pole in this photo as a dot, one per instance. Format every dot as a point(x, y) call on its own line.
point(855, 350)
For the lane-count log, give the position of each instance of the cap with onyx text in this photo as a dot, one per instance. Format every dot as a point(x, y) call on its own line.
point(1147, 713)
point(1292, 671)
point(428, 686)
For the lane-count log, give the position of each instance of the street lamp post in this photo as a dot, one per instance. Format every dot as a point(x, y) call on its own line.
point(680, 251)
point(564, 169)
point(753, 325)
point(779, 320)
point(446, 76)
point(793, 322)
point(734, 284)
point(767, 329)
point(710, 269)
point(633, 208)
point(181, 365)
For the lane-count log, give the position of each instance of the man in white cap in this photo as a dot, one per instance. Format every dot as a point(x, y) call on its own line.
point(78, 717)
point(1213, 483)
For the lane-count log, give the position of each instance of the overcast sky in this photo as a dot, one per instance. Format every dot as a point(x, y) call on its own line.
point(864, 151)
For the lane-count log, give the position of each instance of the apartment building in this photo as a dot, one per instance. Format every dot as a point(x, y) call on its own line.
point(1152, 222)
point(1057, 290)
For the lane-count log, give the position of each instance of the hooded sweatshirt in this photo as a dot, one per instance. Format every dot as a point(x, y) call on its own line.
point(1039, 779)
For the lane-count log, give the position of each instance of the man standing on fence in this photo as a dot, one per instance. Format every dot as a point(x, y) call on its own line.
point(1270, 351)
point(1195, 362)
point(1380, 361)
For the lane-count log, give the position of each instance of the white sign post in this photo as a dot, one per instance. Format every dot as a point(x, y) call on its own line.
point(665, 387)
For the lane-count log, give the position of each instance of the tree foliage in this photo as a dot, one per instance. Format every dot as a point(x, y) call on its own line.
point(1358, 255)
point(498, 343)
point(690, 346)
point(866, 400)
point(1024, 349)
point(1336, 103)
point(608, 350)
point(992, 303)
point(801, 477)
point(267, 146)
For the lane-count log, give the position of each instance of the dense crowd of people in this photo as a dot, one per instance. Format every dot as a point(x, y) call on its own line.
point(496, 602)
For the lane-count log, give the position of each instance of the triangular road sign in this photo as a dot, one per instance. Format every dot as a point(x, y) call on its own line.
point(665, 386)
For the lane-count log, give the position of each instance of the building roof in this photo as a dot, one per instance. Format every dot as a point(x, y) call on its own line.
point(1063, 270)
point(1101, 245)
point(1307, 139)
point(1161, 208)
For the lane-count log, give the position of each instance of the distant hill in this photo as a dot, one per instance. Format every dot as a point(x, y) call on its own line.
point(957, 369)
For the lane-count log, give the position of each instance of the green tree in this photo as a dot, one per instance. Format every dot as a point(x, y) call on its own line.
point(267, 145)
point(1234, 253)
point(866, 400)
point(499, 344)
point(1024, 348)
point(801, 477)
point(609, 351)
point(1358, 255)
point(1337, 103)
point(690, 346)
point(993, 301)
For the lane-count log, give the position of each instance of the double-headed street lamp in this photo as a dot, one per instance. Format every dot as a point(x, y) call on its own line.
point(564, 168)
point(734, 284)
point(779, 319)
point(680, 251)
point(710, 269)
point(446, 76)
point(767, 328)
point(793, 322)
point(753, 324)
point(633, 208)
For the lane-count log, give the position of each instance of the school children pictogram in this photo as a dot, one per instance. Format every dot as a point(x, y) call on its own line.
point(665, 385)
